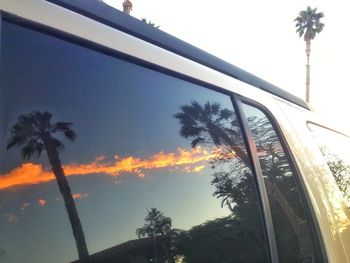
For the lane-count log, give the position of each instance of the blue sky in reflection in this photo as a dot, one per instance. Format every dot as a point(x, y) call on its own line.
point(117, 108)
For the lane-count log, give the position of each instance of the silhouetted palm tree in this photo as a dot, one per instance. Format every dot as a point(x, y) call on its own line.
point(33, 133)
point(308, 24)
point(149, 22)
point(212, 125)
point(127, 6)
point(156, 224)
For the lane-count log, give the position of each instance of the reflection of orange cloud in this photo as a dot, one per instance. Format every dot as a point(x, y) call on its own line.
point(196, 169)
point(29, 173)
point(25, 206)
point(42, 202)
point(80, 195)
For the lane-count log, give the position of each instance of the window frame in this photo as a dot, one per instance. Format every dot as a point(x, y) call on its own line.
point(236, 100)
point(314, 135)
point(317, 240)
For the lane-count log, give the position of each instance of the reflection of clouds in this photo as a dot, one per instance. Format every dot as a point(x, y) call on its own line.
point(11, 218)
point(27, 173)
point(80, 195)
point(30, 173)
point(75, 196)
point(42, 202)
point(118, 182)
point(25, 206)
point(196, 169)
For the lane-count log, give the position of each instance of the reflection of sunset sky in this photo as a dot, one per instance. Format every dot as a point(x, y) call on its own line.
point(30, 173)
point(108, 121)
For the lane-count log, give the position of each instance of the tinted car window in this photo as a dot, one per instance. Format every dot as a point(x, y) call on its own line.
point(335, 149)
point(107, 159)
point(293, 235)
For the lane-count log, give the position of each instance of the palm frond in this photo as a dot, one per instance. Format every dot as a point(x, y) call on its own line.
point(197, 141)
point(308, 23)
point(66, 128)
point(39, 147)
point(215, 108)
point(15, 141)
point(225, 114)
point(31, 131)
point(27, 151)
point(192, 110)
point(207, 108)
point(57, 144)
point(190, 131)
point(30, 148)
point(22, 131)
point(42, 119)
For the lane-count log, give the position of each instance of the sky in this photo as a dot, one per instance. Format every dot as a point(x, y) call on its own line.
point(128, 156)
point(259, 36)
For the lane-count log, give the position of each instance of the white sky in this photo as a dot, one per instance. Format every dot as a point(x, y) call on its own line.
point(259, 36)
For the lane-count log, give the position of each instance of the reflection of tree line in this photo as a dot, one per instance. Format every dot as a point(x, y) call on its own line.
point(282, 192)
point(238, 237)
point(212, 125)
point(340, 171)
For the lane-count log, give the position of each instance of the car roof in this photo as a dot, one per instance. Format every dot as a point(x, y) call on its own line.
point(103, 13)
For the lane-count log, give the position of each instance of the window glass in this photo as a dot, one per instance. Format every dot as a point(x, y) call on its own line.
point(291, 226)
point(153, 168)
point(335, 148)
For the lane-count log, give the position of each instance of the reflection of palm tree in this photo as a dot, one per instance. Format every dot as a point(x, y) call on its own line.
point(213, 125)
point(276, 168)
point(33, 133)
point(157, 225)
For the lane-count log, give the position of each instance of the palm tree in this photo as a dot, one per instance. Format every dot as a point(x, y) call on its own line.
point(156, 224)
point(33, 132)
point(308, 24)
point(127, 6)
point(211, 124)
point(149, 22)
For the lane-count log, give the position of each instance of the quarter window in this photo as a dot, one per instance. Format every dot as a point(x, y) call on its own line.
point(335, 149)
point(292, 229)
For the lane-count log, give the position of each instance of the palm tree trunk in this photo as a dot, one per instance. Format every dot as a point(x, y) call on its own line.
point(299, 225)
point(65, 190)
point(242, 155)
point(308, 51)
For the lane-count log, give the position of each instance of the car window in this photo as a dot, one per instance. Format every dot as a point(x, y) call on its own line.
point(105, 158)
point(335, 149)
point(292, 229)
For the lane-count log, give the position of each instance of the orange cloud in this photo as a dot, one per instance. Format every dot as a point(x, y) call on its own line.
point(26, 174)
point(80, 195)
point(42, 202)
point(30, 173)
